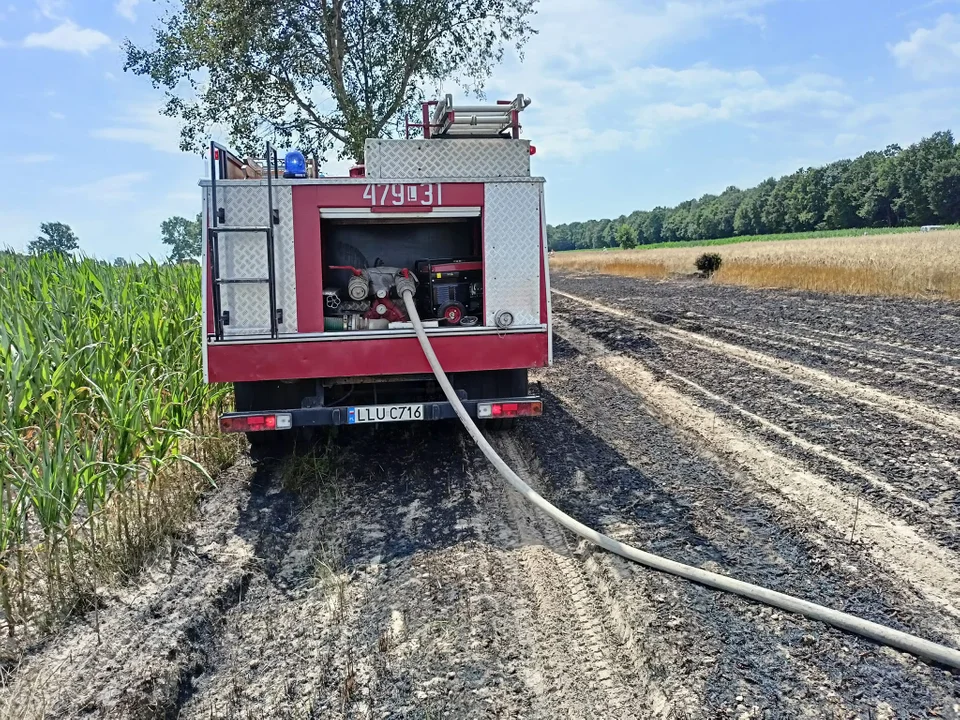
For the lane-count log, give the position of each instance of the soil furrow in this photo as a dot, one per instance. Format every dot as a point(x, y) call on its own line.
point(929, 417)
point(861, 363)
point(668, 501)
point(900, 466)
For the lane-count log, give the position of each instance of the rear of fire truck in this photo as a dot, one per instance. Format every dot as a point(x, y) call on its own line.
point(304, 277)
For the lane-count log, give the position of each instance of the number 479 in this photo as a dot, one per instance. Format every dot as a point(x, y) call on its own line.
point(397, 194)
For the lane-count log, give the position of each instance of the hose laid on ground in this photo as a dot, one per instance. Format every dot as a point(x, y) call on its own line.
point(844, 621)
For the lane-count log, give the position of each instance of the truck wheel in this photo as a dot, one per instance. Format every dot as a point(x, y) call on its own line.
point(264, 445)
point(501, 425)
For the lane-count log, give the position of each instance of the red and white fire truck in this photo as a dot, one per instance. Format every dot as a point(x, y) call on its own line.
point(301, 273)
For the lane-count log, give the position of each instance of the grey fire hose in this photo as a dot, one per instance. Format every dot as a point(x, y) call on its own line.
point(844, 621)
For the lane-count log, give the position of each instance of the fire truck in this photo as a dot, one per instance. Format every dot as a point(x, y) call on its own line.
point(303, 277)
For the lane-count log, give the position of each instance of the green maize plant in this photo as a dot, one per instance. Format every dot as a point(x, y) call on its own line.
point(106, 425)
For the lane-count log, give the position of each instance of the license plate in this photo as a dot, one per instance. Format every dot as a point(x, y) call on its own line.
point(383, 413)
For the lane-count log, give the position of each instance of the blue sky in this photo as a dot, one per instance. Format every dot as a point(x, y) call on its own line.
point(635, 104)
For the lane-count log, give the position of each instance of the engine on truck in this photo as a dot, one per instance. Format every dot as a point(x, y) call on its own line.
point(370, 300)
point(446, 290)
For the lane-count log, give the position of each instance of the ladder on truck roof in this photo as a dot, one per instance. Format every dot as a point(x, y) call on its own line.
point(443, 120)
point(219, 158)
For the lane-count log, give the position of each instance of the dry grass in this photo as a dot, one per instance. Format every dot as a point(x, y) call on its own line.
point(913, 264)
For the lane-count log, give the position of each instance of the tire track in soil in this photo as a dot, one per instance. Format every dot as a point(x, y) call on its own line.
point(409, 621)
point(564, 663)
point(745, 658)
point(905, 469)
point(813, 350)
point(905, 408)
point(906, 327)
point(604, 655)
point(935, 572)
point(905, 348)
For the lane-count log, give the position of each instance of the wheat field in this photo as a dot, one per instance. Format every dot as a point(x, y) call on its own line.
point(912, 264)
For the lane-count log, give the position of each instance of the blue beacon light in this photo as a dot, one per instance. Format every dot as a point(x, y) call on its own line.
point(294, 165)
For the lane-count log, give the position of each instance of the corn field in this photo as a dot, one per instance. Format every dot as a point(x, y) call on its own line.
point(106, 426)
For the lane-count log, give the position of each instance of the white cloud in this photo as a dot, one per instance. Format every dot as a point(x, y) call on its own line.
point(109, 76)
point(127, 9)
point(35, 158)
point(595, 88)
point(931, 53)
point(638, 106)
point(735, 97)
point(57, 115)
point(113, 188)
point(68, 37)
point(906, 115)
point(145, 125)
point(51, 9)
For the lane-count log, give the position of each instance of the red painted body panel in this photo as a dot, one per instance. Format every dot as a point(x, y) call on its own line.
point(307, 202)
point(232, 362)
point(236, 362)
point(306, 256)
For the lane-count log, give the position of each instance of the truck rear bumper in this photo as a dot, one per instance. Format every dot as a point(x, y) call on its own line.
point(499, 408)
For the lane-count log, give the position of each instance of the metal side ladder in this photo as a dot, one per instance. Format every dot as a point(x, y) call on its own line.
point(219, 157)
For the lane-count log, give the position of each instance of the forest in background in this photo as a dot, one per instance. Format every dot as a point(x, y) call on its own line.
point(917, 185)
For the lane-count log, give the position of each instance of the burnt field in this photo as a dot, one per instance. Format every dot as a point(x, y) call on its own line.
point(803, 442)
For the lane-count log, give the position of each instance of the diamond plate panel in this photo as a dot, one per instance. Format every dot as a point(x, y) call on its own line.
point(244, 255)
point(511, 246)
point(461, 158)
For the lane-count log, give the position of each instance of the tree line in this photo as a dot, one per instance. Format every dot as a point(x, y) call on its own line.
point(182, 235)
point(919, 185)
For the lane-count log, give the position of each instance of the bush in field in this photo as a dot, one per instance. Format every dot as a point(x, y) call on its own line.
point(708, 263)
point(103, 415)
point(626, 236)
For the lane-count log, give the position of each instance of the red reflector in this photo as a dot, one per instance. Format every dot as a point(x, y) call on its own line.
point(496, 409)
point(248, 423)
point(216, 154)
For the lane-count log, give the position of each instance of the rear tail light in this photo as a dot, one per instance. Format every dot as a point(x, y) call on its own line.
point(254, 423)
point(525, 408)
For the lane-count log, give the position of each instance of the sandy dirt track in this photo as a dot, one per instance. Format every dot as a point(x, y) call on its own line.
point(807, 443)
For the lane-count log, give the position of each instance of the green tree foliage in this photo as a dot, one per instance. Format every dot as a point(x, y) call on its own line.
point(183, 236)
point(55, 237)
point(626, 236)
point(919, 185)
point(708, 263)
point(309, 73)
